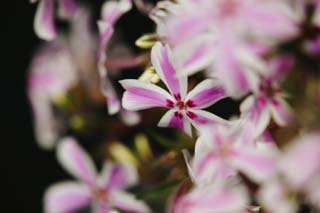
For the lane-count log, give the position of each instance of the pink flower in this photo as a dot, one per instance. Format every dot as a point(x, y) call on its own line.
point(268, 100)
point(44, 19)
point(104, 191)
point(111, 12)
point(213, 198)
point(184, 108)
point(223, 35)
point(220, 153)
point(298, 172)
point(52, 74)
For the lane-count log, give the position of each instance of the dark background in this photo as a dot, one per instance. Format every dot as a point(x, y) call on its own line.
point(26, 170)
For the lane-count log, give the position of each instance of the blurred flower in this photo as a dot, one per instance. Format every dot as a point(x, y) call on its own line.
point(44, 19)
point(268, 100)
point(225, 36)
point(110, 13)
point(220, 153)
point(104, 191)
point(52, 74)
point(184, 108)
point(213, 198)
point(299, 172)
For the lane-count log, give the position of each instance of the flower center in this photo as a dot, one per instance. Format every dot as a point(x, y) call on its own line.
point(227, 9)
point(269, 89)
point(181, 105)
point(100, 194)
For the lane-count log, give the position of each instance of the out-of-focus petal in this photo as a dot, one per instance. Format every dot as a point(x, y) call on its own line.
point(44, 20)
point(130, 118)
point(256, 164)
point(275, 19)
point(189, 62)
point(281, 111)
point(255, 115)
point(116, 176)
point(205, 94)
point(76, 161)
point(127, 202)
point(211, 199)
point(67, 8)
point(141, 95)
point(229, 69)
point(274, 192)
point(176, 119)
point(66, 197)
point(161, 60)
point(301, 162)
point(113, 10)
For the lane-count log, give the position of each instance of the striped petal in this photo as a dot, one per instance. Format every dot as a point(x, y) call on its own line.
point(161, 60)
point(141, 95)
point(76, 161)
point(176, 119)
point(44, 20)
point(257, 164)
point(200, 118)
point(205, 94)
point(66, 197)
point(211, 199)
point(281, 111)
point(127, 202)
point(118, 176)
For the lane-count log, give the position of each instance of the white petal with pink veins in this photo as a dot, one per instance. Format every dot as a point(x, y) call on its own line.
point(76, 161)
point(161, 60)
point(66, 197)
point(141, 95)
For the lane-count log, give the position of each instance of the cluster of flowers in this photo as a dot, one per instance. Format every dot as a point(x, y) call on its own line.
point(237, 166)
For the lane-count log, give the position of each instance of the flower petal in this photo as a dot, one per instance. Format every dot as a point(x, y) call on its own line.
point(205, 94)
point(76, 161)
point(255, 116)
point(257, 164)
point(281, 111)
point(141, 95)
point(66, 197)
point(44, 20)
point(113, 10)
point(229, 69)
point(199, 118)
point(301, 162)
point(275, 192)
point(211, 199)
point(176, 119)
point(161, 60)
point(67, 8)
point(118, 175)
point(125, 201)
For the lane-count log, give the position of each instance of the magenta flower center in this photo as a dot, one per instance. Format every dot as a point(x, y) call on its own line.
point(100, 194)
point(228, 9)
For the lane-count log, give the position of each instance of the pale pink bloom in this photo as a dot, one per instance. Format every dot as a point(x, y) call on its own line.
point(299, 173)
point(213, 198)
point(52, 74)
point(110, 13)
point(268, 100)
point(184, 108)
point(45, 15)
point(220, 35)
point(274, 196)
point(104, 191)
point(220, 153)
